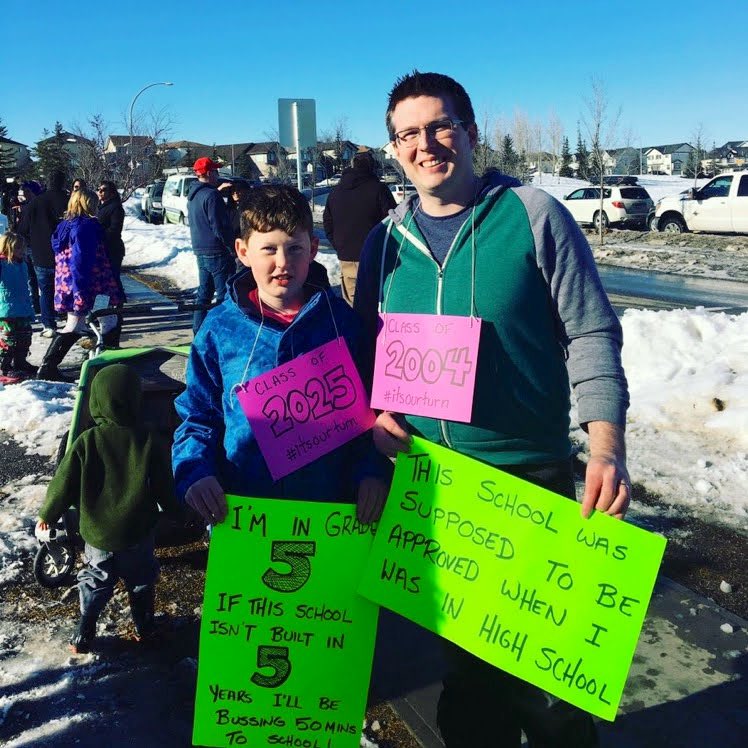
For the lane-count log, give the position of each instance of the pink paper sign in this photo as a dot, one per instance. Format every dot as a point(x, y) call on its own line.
point(425, 365)
point(306, 408)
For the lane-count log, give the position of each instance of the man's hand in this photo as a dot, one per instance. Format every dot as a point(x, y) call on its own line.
point(41, 526)
point(607, 486)
point(207, 498)
point(372, 493)
point(390, 436)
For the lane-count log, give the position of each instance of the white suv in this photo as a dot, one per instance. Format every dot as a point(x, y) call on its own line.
point(622, 204)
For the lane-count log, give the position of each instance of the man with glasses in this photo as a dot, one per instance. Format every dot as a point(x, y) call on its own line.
point(485, 246)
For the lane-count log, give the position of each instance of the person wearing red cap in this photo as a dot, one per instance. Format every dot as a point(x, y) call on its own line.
point(211, 235)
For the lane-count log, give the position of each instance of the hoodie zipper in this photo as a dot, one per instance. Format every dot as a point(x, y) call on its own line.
point(440, 299)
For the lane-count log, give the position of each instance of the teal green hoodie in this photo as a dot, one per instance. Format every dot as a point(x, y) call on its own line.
point(522, 265)
point(115, 473)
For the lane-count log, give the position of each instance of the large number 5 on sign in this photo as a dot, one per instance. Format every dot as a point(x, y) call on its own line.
point(276, 658)
point(295, 553)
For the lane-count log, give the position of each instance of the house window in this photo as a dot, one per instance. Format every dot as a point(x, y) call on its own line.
point(271, 157)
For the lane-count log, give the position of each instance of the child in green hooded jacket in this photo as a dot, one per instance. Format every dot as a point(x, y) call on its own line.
point(116, 475)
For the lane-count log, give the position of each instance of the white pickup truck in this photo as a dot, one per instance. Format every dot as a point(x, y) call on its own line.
point(721, 205)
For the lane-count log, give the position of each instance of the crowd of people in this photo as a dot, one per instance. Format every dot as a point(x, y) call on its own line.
point(469, 245)
point(70, 245)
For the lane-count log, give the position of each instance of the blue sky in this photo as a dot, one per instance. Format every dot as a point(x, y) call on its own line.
point(662, 63)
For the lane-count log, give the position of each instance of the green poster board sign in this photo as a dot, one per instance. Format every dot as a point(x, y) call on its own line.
point(513, 573)
point(286, 643)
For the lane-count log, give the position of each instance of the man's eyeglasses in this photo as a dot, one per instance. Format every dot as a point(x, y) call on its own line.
point(441, 129)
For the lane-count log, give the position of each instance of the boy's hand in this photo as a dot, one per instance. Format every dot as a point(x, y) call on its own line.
point(207, 498)
point(41, 526)
point(390, 436)
point(372, 493)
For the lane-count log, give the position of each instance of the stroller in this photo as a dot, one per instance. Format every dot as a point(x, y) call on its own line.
point(162, 371)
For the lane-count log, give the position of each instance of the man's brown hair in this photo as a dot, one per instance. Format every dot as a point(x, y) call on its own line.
point(275, 206)
point(430, 84)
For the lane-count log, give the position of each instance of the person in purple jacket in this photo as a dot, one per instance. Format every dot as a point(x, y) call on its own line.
point(82, 272)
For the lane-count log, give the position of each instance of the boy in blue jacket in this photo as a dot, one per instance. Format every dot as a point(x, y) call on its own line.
point(271, 315)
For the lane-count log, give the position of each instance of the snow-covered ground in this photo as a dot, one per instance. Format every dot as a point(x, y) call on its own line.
point(687, 371)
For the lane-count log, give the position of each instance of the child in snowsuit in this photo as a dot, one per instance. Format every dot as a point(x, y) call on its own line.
point(116, 475)
point(16, 311)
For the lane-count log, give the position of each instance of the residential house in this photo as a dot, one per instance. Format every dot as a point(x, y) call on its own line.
point(627, 160)
point(269, 157)
point(732, 155)
point(668, 159)
point(16, 154)
point(73, 144)
point(120, 144)
point(609, 163)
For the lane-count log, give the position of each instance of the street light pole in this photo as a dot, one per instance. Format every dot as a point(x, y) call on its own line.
point(132, 104)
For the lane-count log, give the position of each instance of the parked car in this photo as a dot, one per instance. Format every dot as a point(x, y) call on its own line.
point(720, 205)
point(401, 191)
point(174, 198)
point(613, 179)
point(144, 196)
point(153, 210)
point(622, 205)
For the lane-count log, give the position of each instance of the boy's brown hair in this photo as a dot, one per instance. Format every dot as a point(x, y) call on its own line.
point(275, 206)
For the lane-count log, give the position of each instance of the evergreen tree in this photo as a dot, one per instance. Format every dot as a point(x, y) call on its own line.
point(51, 154)
point(509, 161)
point(582, 155)
point(244, 166)
point(7, 162)
point(565, 170)
point(188, 159)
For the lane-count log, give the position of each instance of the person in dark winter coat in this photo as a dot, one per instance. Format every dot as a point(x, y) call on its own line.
point(111, 216)
point(16, 311)
point(82, 272)
point(211, 236)
point(116, 475)
point(37, 226)
point(354, 206)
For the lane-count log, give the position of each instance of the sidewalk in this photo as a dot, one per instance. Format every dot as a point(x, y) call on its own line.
point(688, 684)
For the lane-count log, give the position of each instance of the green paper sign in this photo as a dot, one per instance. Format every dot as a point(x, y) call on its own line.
point(286, 643)
point(513, 573)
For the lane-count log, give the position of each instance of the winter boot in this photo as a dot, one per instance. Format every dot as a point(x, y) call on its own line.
point(83, 634)
point(142, 604)
point(54, 355)
point(20, 364)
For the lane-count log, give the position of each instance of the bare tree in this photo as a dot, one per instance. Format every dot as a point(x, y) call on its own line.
point(522, 138)
point(92, 163)
point(485, 155)
point(601, 127)
point(555, 132)
point(336, 134)
point(284, 171)
point(537, 132)
point(699, 138)
point(135, 169)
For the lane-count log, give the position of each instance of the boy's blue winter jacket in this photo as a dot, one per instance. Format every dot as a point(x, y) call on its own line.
point(215, 437)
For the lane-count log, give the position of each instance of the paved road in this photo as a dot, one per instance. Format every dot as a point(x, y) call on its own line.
point(640, 289)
